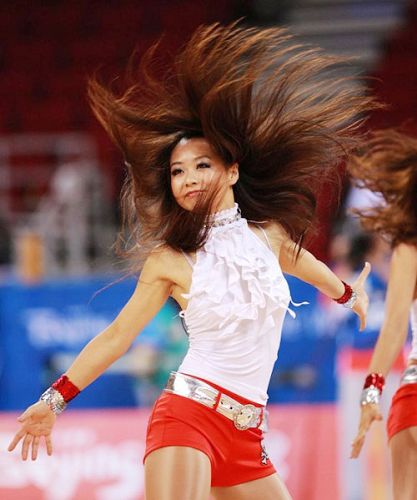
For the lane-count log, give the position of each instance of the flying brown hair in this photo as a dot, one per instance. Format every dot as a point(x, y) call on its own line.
point(279, 109)
point(388, 166)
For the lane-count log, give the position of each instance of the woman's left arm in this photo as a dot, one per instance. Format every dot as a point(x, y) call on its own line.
point(311, 270)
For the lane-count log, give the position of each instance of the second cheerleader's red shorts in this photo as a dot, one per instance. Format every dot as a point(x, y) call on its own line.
point(236, 456)
point(403, 411)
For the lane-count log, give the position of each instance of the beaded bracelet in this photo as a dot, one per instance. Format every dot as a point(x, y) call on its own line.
point(375, 379)
point(348, 299)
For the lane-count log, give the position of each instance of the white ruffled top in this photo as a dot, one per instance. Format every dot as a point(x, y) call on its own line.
point(236, 307)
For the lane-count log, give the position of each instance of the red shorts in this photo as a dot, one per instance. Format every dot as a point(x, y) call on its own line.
point(236, 456)
point(403, 411)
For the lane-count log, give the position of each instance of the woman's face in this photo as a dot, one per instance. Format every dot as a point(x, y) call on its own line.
point(195, 168)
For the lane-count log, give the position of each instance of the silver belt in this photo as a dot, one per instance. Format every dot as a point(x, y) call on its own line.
point(243, 416)
point(409, 375)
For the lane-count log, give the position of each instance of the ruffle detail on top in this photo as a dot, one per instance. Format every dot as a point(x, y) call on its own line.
point(236, 278)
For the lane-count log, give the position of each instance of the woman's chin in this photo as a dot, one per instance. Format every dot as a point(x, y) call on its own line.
point(188, 205)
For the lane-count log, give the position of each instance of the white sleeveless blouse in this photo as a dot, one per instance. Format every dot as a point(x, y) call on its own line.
point(413, 319)
point(236, 307)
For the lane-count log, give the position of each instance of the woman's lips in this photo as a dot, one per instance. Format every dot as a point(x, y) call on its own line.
point(193, 194)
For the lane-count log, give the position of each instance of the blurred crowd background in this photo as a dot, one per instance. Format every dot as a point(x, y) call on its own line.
point(60, 281)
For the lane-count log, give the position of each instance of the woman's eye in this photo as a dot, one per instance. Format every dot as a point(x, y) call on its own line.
point(175, 172)
point(203, 165)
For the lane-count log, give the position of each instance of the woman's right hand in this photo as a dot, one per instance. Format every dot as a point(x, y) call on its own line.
point(369, 414)
point(36, 422)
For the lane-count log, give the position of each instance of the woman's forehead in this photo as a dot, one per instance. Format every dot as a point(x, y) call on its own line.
point(195, 146)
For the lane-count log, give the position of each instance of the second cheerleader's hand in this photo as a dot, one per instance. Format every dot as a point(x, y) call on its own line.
point(369, 414)
point(361, 305)
point(36, 422)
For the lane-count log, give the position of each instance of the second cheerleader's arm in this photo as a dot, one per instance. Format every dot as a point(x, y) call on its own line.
point(400, 293)
point(311, 270)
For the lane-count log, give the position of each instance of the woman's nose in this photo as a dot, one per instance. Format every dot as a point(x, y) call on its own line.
point(191, 179)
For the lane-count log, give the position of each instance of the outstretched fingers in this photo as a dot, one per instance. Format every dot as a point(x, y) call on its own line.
point(35, 447)
point(357, 445)
point(36, 425)
point(368, 415)
point(27, 441)
point(360, 437)
point(362, 316)
point(30, 442)
point(362, 297)
point(363, 274)
point(48, 442)
point(16, 440)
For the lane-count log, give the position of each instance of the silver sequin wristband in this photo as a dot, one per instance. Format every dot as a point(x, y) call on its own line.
point(352, 301)
point(54, 400)
point(370, 395)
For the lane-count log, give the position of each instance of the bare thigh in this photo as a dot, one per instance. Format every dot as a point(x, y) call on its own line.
point(267, 488)
point(404, 464)
point(177, 473)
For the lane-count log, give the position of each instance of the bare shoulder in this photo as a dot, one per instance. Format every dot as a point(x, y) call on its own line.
point(278, 236)
point(405, 255)
point(275, 230)
point(406, 249)
point(162, 261)
point(404, 266)
point(402, 285)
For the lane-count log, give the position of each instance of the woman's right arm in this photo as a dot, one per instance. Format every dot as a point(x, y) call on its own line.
point(393, 334)
point(151, 292)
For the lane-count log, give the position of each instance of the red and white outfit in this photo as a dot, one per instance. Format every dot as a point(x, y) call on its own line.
point(403, 411)
point(236, 307)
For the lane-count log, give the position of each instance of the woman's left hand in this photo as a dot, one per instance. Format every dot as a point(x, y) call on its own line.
point(369, 414)
point(361, 305)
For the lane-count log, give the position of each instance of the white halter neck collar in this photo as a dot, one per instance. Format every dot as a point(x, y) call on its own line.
point(225, 217)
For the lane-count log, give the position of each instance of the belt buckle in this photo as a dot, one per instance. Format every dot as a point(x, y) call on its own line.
point(244, 417)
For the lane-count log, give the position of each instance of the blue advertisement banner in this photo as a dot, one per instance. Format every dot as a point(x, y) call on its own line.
point(43, 327)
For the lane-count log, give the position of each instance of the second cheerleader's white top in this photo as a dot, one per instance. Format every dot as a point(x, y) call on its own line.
point(236, 307)
point(413, 318)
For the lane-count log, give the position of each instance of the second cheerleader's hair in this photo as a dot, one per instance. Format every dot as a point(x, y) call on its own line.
point(279, 109)
point(388, 166)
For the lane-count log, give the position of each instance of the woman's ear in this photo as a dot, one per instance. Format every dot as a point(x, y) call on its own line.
point(233, 173)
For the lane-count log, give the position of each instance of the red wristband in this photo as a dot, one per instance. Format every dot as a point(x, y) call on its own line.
point(346, 295)
point(375, 379)
point(66, 388)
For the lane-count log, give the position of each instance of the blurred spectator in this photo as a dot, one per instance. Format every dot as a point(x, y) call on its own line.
point(348, 255)
point(157, 351)
point(263, 12)
point(376, 251)
point(5, 244)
